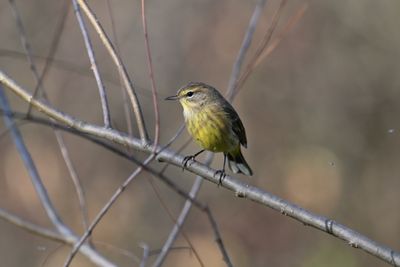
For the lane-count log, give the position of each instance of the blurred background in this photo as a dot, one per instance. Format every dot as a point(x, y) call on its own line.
point(321, 114)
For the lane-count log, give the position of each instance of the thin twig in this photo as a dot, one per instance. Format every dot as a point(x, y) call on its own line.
point(174, 233)
point(39, 186)
point(53, 49)
point(229, 95)
point(185, 144)
point(263, 44)
point(156, 251)
point(175, 136)
point(39, 87)
point(25, 44)
point(75, 179)
point(49, 234)
point(185, 211)
point(146, 253)
point(243, 49)
point(17, 124)
point(218, 238)
point(118, 250)
point(113, 149)
point(121, 68)
point(190, 198)
point(151, 74)
point(181, 219)
point(93, 66)
point(240, 189)
point(155, 103)
point(104, 210)
point(70, 67)
point(31, 168)
point(125, 101)
point(292, 21)
point(31, 227)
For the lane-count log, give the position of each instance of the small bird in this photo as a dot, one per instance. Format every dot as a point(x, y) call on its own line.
point(214, 125)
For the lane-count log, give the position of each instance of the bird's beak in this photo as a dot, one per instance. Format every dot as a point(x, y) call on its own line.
point(174, 97)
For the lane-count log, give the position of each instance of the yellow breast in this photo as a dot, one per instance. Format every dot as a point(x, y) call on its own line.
point(211, 129)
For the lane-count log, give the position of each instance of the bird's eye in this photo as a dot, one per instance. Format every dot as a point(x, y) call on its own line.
point(189, 94)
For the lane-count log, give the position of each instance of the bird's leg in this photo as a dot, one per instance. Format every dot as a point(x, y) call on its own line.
point(192, 157)
point(221, 173)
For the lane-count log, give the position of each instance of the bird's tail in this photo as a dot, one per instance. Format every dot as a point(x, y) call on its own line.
point(237, 163)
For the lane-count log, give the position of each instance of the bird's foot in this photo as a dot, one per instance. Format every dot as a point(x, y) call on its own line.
point(222, 176)
point(186, 160)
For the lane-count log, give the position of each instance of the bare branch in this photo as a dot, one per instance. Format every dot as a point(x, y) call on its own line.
point(44, 232)
point(27, 48)
point(261, 47)
point(118, 250)
point(243, 49)
point(151, 74)
point(229, 94)
point(113, 149)
point(30, 227)
point(179, 223)
point(292, 21)
point(240, 189)
point(25, 44)
point(93, 66)
point(185, 144)
point(127, 111)
point(39, 87)
point(173, 219)
point(40, 188)
point(145, 257)
point(75, 179)
point(31, 168)
point(104, 210)
point(189, 197)
point(218, 238)
point(121, 68)
point(182, 218)
point(176, 135)
point(53, 48)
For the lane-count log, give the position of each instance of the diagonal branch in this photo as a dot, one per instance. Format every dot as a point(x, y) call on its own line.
point(292, 21)
point(44, 232)
point(152, 80)
point(39, 87)
point(239, 188)
point(31, 168)
point(121, 68)
point(230, 92)
point(49, 60)
point(125, 100)
point(104, 210)
point(218, 237)
point(181, 219)
point(30, 227)
point(118, 151)
point(93, 66)
point(198, 181)
point(39, 186)
point(267, 37)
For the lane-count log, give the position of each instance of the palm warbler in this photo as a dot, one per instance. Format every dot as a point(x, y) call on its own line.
point(214, 124)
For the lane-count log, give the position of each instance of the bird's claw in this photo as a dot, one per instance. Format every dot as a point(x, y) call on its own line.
point(186, 160)
point(222, 176)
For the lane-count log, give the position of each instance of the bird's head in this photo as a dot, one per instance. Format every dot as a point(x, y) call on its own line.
point(195, 95)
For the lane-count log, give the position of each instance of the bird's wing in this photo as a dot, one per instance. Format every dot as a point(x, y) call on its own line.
point(237, 125)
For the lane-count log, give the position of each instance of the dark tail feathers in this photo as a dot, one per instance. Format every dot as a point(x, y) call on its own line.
point(238, 164)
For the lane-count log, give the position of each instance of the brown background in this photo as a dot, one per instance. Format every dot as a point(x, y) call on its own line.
point(321, 114)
